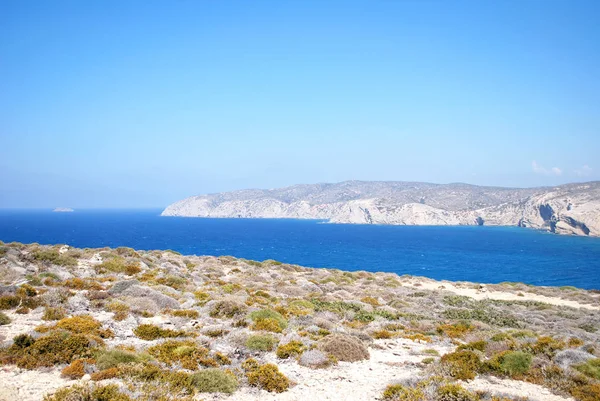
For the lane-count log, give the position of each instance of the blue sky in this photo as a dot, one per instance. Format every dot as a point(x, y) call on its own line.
point(141, 103)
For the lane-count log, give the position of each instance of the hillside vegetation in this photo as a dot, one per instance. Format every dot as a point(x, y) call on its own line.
point(125, 324)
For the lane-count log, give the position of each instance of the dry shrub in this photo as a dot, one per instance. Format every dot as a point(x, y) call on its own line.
point(268, 377)
point(462, 365)
point(75, 370)
point(105, 374)
point(227, 309)
point(344, 347)
point(316, 359)
point(291, 349)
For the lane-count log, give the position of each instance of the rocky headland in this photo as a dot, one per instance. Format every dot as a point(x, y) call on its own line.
point(565, 209)
point(123, 324)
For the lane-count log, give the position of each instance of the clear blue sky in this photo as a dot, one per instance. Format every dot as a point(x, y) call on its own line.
point(122, 103)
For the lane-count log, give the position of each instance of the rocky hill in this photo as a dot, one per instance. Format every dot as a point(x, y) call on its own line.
point(565, 209)
point(123, 325)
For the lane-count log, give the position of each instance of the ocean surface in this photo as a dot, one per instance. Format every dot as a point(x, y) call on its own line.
point(470, 253)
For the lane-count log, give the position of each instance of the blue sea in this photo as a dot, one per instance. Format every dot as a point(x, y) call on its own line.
point(470, 253)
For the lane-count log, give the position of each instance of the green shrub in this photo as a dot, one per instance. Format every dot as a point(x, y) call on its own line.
point(118, 264)
point(214, 381)
point(291, 349)
point(268, 377)
point(454, 392)
point(260, 342)
point(151, 332)
point(590, 368)
point(4, 319)
point(52, 256)
point(187, 353)
point(112, 358)
point(268, 319)
point(398, 392)
point(462, 365)
point(515, 362)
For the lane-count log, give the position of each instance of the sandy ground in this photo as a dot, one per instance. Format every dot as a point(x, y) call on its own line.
point(484, 293)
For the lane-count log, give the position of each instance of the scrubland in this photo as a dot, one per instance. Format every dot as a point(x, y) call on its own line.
point(124, 324)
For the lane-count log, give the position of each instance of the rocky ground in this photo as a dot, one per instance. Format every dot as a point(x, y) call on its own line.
point(123, 324)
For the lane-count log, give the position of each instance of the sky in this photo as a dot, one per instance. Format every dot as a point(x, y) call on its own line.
point(123, 103)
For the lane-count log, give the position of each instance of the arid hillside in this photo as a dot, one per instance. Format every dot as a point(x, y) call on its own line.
point(123, 324)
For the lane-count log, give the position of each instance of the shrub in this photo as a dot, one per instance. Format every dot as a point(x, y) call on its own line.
point(454, 392)
point(214, 381)
point(23, 341)
point(267, 324)
point(291, 349)
point(120, 309)
point(4, 319)
point(222, 359)
point(187, 353)
point(515, 362)
point(227, 309)
point(75, 370)
point(344, 347)
point(589, 392)
point(269, 320)
point(115, 357)
point(382, 334)
point(9, 301)
point(268, 377)
point(456, 330)
point(398, 392)
point(110, 392)
point(316, 359)
point(23, 310)
point(51, 313)
point(53, 349)
point(105, 374)
point(473, 346)
point(371, 301)
point(300, 307)
point(151, 332)
point(462, 365)
point(260, 342)
point(188, 313)
point(546, 346)
point(590, 368)
point(118, 265)
point(84, 324)
point(54, 257)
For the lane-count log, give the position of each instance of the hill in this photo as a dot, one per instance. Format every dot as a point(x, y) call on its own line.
point(566, 209)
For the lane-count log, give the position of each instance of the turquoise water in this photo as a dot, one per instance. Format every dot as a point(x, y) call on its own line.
point(480, 254)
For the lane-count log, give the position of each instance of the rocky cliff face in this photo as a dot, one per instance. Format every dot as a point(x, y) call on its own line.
point(566, 209)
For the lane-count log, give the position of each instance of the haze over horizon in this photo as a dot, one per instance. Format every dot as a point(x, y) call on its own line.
point(142, 103)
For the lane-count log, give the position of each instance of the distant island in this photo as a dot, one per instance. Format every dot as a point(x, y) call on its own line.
point(63, 210)
point(565, 209)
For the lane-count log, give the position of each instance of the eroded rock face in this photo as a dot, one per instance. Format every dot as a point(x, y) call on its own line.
point(566, 209)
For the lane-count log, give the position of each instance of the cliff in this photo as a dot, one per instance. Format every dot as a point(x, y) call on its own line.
point(565, 209)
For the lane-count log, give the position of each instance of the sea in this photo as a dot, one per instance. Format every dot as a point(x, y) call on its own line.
point(465, 253)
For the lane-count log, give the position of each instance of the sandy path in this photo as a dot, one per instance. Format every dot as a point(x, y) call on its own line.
point(429, 284)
